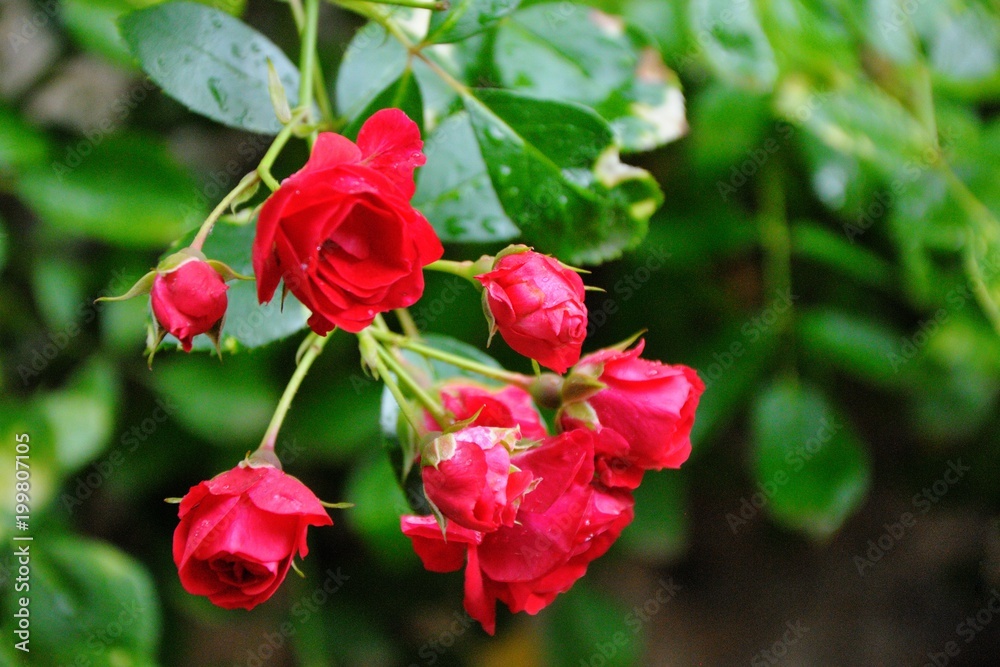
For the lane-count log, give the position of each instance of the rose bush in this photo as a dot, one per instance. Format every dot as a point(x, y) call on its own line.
point(341, 231)
point(536, 304)
point(239, 532)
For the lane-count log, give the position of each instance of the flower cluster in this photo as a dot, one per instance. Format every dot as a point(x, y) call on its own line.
point(525, 512)
point(522, 507)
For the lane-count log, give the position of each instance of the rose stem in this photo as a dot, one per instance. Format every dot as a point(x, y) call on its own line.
point(466, 269)
point(319, 85)
point(370, 352)
point(500, 374)
point(434, 5)
point(246, 183)
point(426, 399)
point(394, 364)
point(307, 58)
point(308, 357)
point(264, 168)
point(406, 321)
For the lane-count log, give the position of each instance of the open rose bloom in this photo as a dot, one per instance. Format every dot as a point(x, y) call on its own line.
point(341, 231)
point(239, 532)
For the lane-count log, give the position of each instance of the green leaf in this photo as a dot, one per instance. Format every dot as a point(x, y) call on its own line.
point(21, 145)
point(378, 504)
point(466, 18)
point(859, 119)
point(127, 191)
point(59, 291)
point(957, 399)
point(403, 93)
point(732, 124)
point(211, 62)
point(454, 190)
point(89, 602)
point(557, 175)
point(809, 38)
point(583, 621)
point(93, 24)
point(855, 261)
point(82, 414)
point(572, 53)
point(862, 347)
point(204, 395)
point(439, 371)
point(734, 43)
point(807, 460)
point(248, 324)
point(372, 62)
point(732, 370)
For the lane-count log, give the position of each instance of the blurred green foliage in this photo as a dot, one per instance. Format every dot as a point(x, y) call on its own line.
point(828, 252)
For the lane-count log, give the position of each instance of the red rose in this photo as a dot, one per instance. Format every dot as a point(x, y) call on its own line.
point(189, 299)
point(341, 231)
point(239, 532)
point(536, 304)
point(468, 476)
point(563, 523)
point(651, 405)
point(502, 408)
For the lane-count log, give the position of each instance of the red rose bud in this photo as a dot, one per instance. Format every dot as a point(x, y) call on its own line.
point(563, 523)
point(508, 407)
point(341, 231)
point(536, 304)
point(467, 475)
point(188, 299)
point(239, 531)
point(650, 404)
